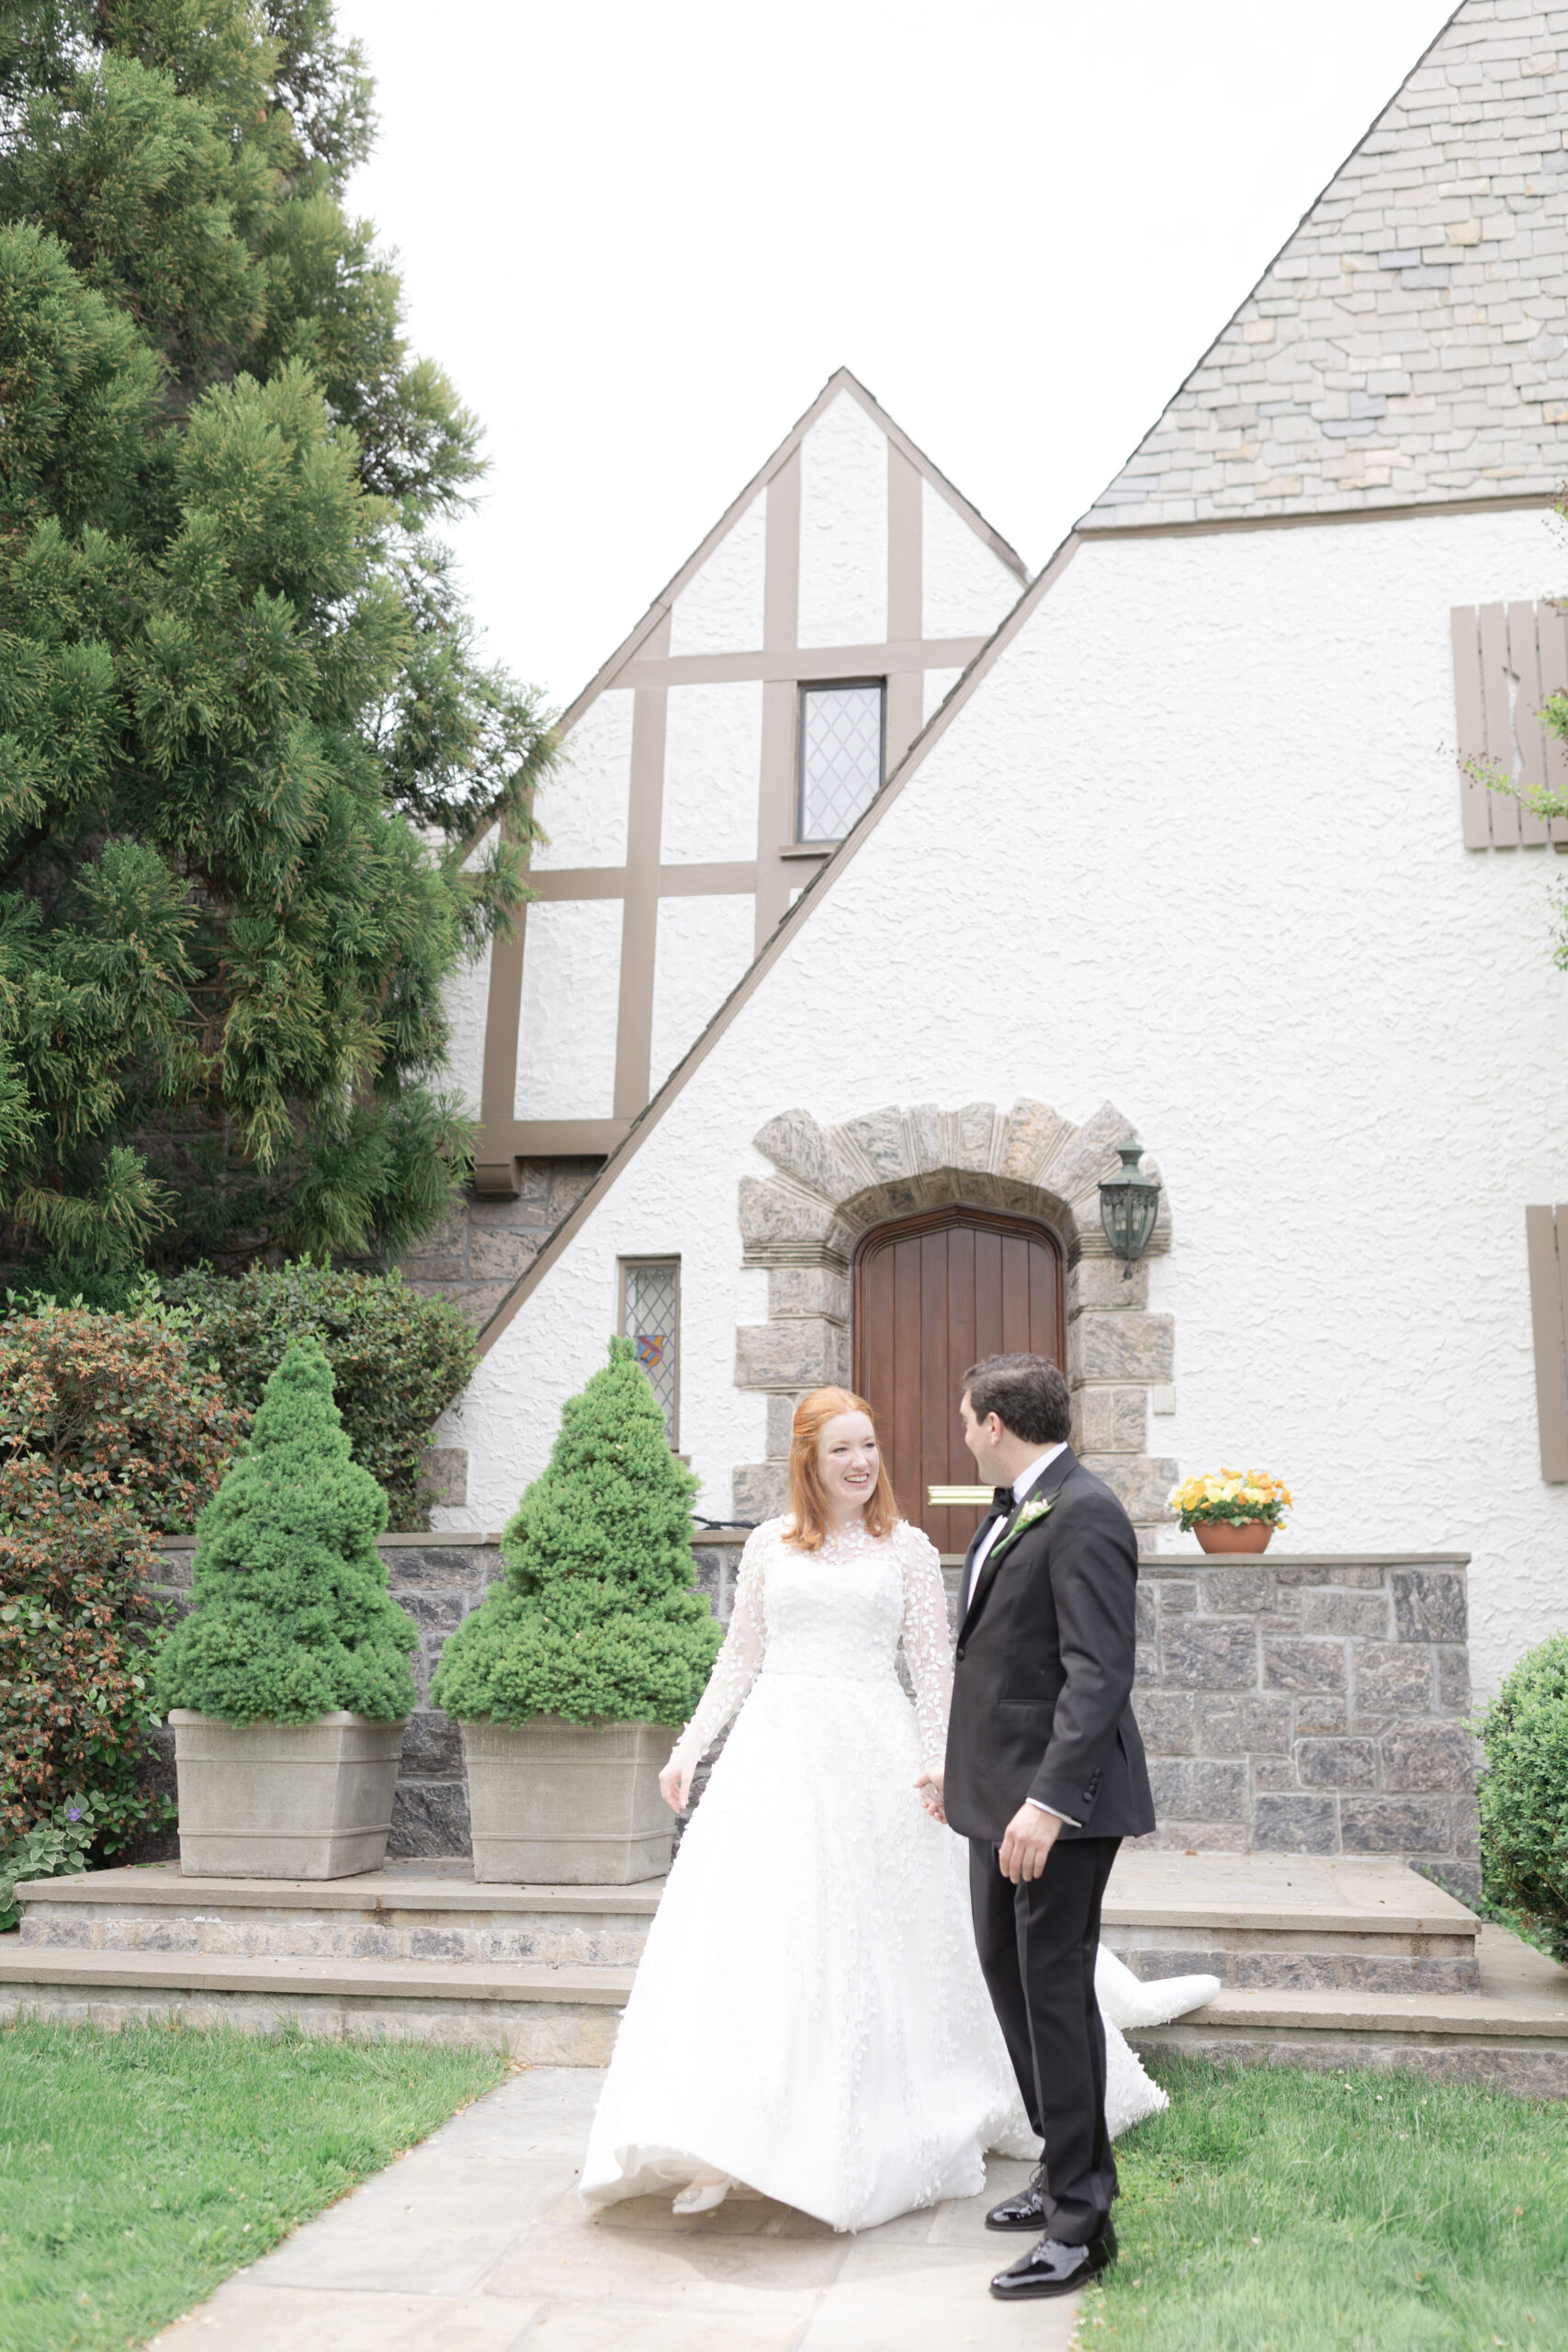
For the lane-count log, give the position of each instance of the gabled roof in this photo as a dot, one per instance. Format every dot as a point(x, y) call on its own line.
point(840, 381)
point(1407, 345)
point(1481, 105)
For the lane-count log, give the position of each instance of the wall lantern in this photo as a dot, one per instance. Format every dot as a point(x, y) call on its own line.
point(1129, 1205)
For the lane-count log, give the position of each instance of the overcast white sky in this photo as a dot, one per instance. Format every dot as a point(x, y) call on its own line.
point(640, 237)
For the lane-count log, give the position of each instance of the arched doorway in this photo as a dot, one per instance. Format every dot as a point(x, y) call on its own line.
point(932, 1294)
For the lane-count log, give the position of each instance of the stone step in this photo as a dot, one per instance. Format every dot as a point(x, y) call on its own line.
point(1511, 2034)
point(1333, 1963)
point(391, 1915)
point(406, 1979)
point(560, 2016)
point(1255, 1921)
point(1288, 1921)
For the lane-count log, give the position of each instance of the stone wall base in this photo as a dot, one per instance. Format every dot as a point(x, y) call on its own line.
point(1305, 1703)
point(1311, 1705)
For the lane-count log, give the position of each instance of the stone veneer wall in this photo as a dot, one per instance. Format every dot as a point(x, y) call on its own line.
point(1311, 1705)
point(486, 1243)
point(1290, 1704)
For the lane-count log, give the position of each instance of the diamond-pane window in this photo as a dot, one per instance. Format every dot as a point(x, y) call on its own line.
point(841, 756)
point(651, 1317)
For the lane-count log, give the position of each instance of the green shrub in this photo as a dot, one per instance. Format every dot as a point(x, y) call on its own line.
point(398, 1359)
point(54, 1846)
point(597, 1620)
point(1524, 1794)
point(107, 1434)
point(291, 1616)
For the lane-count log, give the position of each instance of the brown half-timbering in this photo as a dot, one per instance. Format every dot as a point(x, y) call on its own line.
point(645, 665)
point(932, 1294)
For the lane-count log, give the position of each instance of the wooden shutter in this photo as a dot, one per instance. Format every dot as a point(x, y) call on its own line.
point(1508, 660)
point(1546, 1232)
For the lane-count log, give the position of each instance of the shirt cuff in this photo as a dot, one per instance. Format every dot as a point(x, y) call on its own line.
point(1051, 1809)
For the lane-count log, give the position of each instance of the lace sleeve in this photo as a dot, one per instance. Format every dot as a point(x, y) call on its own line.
point(925, 1641)
point(737, 1664)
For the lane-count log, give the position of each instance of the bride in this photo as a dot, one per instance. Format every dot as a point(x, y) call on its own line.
point(808, 2017)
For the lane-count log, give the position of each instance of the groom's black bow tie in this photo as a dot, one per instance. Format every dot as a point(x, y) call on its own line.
point(1003, 1499)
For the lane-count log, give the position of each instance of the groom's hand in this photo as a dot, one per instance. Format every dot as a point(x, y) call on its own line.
point(1027, 1844)
point(932, 1794)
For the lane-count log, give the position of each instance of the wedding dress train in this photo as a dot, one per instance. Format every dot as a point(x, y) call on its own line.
point(808, 2016)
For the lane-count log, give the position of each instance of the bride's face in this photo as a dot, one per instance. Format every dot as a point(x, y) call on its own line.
point(846, 1457)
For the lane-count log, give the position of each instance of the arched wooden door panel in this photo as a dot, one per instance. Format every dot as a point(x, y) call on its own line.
point(932, 1295)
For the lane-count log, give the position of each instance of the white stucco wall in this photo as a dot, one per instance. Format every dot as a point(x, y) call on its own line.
point(720, 608)
point(584, 805)
point(935, 688)
point(466, 996)
point(713, 757)
point(843, 528)
point(1221, 771)
point(702, 947)
point(565, 1040)
point(964, 589)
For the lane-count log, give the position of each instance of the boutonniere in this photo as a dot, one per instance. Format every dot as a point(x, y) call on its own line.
point(1034, 1511)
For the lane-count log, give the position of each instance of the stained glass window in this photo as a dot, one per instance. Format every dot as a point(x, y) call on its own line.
point(650, 1317)
point(841, 756)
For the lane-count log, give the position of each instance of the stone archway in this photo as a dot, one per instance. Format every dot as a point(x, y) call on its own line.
point(833, 1184)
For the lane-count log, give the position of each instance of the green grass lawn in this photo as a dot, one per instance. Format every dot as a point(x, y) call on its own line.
point(138, 2170)
point(1277, 2211)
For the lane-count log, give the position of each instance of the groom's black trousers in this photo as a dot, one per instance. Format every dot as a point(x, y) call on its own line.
point(1037, 1943)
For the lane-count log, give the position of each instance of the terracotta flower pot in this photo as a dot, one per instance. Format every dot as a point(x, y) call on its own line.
point(1227, 1535)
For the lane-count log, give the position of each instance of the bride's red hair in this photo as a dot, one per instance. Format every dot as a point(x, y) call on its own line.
point(808, 1500)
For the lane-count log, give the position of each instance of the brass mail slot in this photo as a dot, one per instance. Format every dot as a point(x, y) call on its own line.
point(957, 1498)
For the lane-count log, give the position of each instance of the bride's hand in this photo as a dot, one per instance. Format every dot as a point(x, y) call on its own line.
point(931, 1793)
point(675, 1785)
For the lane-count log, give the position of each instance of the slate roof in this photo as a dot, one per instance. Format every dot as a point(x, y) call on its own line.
point(1409, 345)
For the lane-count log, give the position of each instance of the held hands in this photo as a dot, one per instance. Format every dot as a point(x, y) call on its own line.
point(930, 1789)
point(675, 1784)
point(1027, 1843)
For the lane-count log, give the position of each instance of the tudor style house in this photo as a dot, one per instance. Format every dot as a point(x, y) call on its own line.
point(888, 890)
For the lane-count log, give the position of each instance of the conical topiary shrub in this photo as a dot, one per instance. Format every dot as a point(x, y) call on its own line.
point(291, 1618)
point(598, 1621)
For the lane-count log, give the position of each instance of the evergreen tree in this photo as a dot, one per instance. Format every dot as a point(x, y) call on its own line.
point(291, 1617)
point(597, 1618)
point(245, 740)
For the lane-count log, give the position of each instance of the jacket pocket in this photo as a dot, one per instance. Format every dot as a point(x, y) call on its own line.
point(1018, 1711)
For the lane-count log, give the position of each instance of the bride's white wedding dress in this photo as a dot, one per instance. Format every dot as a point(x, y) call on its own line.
point(808, 2017)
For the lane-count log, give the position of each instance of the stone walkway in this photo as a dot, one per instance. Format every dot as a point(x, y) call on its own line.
point(476, 2241)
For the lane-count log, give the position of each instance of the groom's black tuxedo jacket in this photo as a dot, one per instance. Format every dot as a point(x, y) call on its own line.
point(1043, 1670)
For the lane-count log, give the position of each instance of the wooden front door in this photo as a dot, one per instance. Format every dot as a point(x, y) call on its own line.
point(934, 1295)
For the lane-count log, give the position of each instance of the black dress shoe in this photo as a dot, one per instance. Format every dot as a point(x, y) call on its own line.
point(1024, 2211)
point(1052, 2268)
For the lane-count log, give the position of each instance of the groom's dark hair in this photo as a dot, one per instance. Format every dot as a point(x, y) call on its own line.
point(1028, 1395)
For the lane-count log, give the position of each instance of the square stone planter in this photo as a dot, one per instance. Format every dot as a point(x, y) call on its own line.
point(284, 1800)
point(553, 1803)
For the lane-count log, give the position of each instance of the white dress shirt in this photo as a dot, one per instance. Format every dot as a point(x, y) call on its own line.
point(1020, 1486)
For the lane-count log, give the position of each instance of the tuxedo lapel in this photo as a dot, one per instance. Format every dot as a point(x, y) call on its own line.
point(974, 1542)
point(1047, 1484)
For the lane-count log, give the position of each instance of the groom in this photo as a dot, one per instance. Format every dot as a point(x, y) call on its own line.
point(1044, 1777)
